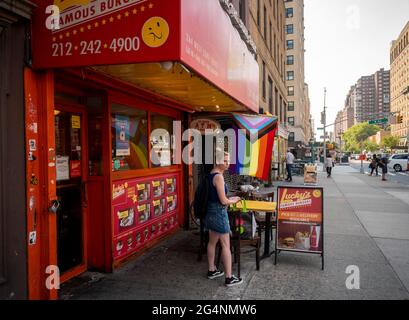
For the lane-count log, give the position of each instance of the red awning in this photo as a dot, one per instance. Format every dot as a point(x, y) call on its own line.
point(195, 34)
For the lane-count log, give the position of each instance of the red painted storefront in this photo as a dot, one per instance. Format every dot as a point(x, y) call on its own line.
point(99, 86)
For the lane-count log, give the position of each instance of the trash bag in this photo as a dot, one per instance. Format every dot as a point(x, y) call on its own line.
point(247, 227)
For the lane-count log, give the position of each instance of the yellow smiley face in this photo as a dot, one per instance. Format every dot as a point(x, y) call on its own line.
point(155, 32)
point(316, 193)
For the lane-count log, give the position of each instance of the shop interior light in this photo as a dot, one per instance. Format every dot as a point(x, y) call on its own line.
point(166, 65)
point(57, 112)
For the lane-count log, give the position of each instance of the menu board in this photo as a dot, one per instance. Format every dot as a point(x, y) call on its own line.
point(143, 209)
point(131, 241)
point(300, 219)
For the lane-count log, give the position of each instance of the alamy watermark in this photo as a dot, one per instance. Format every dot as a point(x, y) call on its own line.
point(213, 142)
point(52, 281)
point(353, 281)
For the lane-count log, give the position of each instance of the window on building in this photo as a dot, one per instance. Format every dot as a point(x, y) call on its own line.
point(242, 10)
point(276, 102)
point(281, 110)
point(289, 28)
point(291, 137)
point(275, 49)
point(290, 91)
point(258, 13)
point(274, 8)
point(291, 121)
point(270, 95)
point(290, 60)
point(129, 133)
point(290, 105)
point(264, 80)
point(290, 75)
point(265, 22)
point(289, 12)
point(161, 140)
point(290, 44)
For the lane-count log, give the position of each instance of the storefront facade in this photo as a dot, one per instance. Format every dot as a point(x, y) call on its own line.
point(109, 94)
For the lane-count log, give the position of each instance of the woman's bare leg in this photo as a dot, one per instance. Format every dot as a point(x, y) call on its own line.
point(211, 249)
point(226, 254)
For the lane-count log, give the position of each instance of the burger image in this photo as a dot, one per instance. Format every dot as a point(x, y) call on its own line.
point(289, 241)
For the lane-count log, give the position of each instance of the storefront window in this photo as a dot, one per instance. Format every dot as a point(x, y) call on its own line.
point(161, 139)
point(129, 138)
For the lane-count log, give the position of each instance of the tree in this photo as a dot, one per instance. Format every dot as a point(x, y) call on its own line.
point(390, 142)
point(355, 136)
point(371, 146)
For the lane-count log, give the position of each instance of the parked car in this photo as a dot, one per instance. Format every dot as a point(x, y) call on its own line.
point(354, 156)
point(398, 162)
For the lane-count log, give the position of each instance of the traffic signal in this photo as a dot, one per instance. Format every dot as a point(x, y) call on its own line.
point(399, 119)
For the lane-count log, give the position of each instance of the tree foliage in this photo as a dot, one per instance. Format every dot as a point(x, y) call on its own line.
point(355, 136)
point(390, 142)
point(371, 146)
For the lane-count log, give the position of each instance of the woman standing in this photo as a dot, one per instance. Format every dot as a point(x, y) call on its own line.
point(217, 222)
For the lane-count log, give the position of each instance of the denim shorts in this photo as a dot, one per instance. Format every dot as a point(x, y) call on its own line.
point(216, 219)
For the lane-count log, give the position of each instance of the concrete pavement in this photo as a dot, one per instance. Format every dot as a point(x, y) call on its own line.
point(366, 225)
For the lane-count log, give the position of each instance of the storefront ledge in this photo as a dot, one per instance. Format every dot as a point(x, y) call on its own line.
point(144, 173)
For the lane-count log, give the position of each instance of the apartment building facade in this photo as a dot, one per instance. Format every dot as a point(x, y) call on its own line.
point(297, 90)
point(399, 56)
point(368, 99)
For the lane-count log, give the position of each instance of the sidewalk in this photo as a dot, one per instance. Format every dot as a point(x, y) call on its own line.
point(366, 225)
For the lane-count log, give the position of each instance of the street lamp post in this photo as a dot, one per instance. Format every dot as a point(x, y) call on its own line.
point(324, 122)
point(362, 160)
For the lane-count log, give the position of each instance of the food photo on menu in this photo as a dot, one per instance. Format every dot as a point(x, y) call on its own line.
point(158, 207)
point(126, 218)
point(299, 236)
point(171, 185)
point(158, 188)
point(143, 191)
point(143, 212)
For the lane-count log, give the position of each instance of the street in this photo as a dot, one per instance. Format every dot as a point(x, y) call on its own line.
point(366, 230)
point(398, 177)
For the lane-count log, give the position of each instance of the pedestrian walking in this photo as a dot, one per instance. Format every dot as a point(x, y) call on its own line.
point(289, 161)
point(217, 223)
point(383, 163)
point(329, 163)
point(374, 165)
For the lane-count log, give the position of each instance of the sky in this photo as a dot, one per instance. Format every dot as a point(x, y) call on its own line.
point(344, 40)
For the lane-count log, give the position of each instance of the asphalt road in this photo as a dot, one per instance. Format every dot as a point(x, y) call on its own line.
point(400, 177)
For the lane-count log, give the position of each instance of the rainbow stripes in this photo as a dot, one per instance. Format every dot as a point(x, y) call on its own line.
point(255, 141)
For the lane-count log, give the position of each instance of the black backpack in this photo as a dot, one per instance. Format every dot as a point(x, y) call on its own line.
point(201, 198)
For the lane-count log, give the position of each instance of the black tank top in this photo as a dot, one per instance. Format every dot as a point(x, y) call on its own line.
point(213, 196)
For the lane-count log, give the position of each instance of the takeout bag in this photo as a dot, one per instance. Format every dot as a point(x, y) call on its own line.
point(245, 223)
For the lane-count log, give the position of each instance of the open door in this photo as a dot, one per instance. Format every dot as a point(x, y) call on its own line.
point(71, 184)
